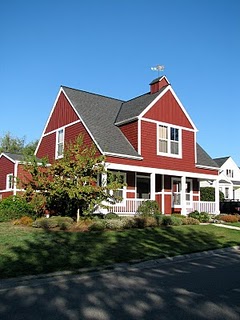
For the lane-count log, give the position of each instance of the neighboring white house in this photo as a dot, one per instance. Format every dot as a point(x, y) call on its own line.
point(229, 178)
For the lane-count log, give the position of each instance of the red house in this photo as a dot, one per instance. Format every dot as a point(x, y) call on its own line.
point(150, 139)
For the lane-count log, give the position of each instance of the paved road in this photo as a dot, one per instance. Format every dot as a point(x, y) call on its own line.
point(203, 286)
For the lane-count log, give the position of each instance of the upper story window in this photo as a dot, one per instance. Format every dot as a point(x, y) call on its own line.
point(229, 173)
point(59, 143)
point(9, 181)
point(169, 142)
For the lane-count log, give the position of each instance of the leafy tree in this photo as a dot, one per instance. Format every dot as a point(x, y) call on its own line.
point(71, 183)
point(208, 194)
point(9, 143)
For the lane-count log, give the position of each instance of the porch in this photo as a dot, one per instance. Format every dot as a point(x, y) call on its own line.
point(129, 207)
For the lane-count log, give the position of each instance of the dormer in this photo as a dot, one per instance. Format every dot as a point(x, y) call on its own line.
point(158, 83)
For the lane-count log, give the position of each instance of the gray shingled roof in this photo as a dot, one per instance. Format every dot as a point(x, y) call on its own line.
point(204, 159)
point(14, 156)
point(221, 161)
point(133, 108)
point(99, 114)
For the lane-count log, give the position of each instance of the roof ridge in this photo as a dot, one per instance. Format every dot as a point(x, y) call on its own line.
point(92, 93)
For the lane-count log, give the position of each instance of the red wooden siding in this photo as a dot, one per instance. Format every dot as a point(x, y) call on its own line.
point(23, 175)
point(130, 130)
point(48, 142)
point(168, 110)
point(62, 115)
point(6, 194)
point(6, 167)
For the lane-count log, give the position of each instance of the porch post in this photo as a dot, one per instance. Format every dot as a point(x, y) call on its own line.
point(163, 195)
point(217, 211)
point(152, 186)
point(183, 196)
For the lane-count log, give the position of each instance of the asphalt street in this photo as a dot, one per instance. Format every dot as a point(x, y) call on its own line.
point(199, 286)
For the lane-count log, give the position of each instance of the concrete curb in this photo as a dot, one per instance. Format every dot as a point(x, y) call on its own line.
point(130, 266)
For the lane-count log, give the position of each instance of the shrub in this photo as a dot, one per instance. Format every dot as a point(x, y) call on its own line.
point(25, 220)
point(114, 224)
point(229, 218)
point(171, 221)
point(128, 222)
point(63, 225)
point(45, 223)
point(14, 207)
point(200, 216)
point(208, 194)
point(189, 221)
point(111, 215)
point(97, 226)
point(148, 207)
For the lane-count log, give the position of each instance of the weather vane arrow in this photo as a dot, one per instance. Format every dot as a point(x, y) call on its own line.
point(157, 68)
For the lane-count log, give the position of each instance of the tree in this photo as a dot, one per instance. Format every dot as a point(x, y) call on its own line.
point(9, 143)
point(72, 182)
point(208, 194)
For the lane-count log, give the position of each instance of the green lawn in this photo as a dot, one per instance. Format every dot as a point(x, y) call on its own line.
point(26, 251)
point(236, 224)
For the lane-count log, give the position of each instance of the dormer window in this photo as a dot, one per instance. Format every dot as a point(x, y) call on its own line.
point(59, 143)
point(169, 142)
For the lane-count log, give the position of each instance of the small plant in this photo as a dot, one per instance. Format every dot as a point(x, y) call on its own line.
point(148, 207)
point(171, 221)
point(200, 216)
point(189, 221)
point(114, 224)
point(111, 215)
point(97, 226)
point(45, 223)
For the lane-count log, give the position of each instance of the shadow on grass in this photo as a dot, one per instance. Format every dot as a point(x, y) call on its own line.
point(51, 251)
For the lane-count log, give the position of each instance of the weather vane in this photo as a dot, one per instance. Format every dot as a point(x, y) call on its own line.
point(158, 68)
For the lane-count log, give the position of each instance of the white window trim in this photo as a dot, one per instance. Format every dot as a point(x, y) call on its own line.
point(168, 154)
point(56, 142)
point(8, 186)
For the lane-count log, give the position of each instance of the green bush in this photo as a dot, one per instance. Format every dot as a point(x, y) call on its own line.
point(45, 223)
point(128, 222)
point(111, 215)
point(200, 216)
point(148, 207)
point(171, 221)
point(114, 224)
point(208, 194)
point(14, 207)
point(189, 221)
point(64, 223)
point(98, 225)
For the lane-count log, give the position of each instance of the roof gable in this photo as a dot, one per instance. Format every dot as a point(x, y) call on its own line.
point(14, 157)
point(203, 158)
point(98, 114)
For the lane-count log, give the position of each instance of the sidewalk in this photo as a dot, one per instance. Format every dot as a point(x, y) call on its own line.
point(226, 226)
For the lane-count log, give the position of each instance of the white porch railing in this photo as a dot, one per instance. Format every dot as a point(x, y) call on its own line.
point(204, 206)
point(129, 206)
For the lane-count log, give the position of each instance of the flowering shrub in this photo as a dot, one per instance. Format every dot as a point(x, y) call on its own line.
point(189, 221)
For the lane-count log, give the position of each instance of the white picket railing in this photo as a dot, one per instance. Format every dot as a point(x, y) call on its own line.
point(130, 206)
point(204, 206)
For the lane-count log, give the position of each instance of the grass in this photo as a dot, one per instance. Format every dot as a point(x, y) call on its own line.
point(26, 251)
point(236, 224)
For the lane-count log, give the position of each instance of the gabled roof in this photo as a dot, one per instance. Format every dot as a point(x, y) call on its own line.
point(13, 156)
point(98, 113)
point(221, 161)
point(203, 158)
point(133, 108)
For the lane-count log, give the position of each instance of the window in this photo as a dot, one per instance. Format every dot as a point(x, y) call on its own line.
point(229, 173)
point(143, 187)
point(119, 193)
point(9, 181)
point(168, 140)
point(59, 143)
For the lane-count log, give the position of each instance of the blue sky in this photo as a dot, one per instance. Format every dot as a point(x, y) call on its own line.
point(109, 46)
